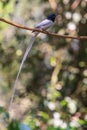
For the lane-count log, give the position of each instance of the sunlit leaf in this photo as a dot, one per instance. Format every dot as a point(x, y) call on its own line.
point(44, 115)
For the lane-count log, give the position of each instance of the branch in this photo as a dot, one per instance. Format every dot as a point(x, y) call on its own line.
point(53, 4)
point(75, 4)
point(42, 31)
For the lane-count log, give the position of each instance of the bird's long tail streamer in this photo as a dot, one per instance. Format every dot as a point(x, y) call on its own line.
point(32, 40)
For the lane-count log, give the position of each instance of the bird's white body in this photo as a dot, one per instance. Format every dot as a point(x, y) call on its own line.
point(45, 24)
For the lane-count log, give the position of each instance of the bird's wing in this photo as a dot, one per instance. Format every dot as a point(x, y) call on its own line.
point(44, 24)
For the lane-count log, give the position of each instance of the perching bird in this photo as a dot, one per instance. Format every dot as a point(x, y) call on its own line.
point(45, 24)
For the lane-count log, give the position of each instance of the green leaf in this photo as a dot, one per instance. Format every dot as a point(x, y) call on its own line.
point(14, 125)
point(44, 115)
point(51, 128)
point(63, 103)
point(2, 110)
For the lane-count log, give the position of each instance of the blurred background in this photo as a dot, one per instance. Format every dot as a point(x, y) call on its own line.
point(51, 92)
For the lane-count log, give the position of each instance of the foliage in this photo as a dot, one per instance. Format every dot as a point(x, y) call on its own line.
point(51, 92)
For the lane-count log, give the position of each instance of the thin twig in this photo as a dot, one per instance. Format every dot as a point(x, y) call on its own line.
point(42, 31)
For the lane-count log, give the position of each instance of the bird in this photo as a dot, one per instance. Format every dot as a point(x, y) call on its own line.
point(44, 25)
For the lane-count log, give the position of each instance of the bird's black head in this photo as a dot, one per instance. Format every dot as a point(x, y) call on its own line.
point(52, 17)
